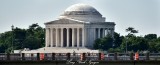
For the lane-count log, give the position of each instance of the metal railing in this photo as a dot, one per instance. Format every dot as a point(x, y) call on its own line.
point(76, 56)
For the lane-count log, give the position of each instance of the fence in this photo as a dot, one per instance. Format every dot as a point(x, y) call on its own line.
point(77, 56)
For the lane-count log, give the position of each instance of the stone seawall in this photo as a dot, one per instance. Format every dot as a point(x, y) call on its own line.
point(79, 63)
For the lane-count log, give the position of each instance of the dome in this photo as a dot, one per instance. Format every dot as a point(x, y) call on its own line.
point(81, 9)
point(82, 12)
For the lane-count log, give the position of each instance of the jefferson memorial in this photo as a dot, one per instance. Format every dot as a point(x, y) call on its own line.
point(75, 30)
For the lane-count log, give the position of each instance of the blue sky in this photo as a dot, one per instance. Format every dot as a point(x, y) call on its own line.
point(143, 15)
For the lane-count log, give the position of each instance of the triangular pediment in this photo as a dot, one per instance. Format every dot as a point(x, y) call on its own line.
point(65, 21)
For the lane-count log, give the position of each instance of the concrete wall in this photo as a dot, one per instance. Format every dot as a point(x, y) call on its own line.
point(65, 63)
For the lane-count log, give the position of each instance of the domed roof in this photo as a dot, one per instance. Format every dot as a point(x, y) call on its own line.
point(81, 9)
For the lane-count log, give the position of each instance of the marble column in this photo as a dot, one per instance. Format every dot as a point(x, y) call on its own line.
point(112, 32)
point(107, 31)
point(77, 37)
point(99, 32)
point(56, 37)
point(73, 37)
point(47, 37)
point(83, 37)
point(67, 37)
point(103, 35)
point(61, 37)
point(51, 37)
point(94, 34)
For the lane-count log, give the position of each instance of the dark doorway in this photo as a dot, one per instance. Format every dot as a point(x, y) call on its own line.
point(70, 37)
point(64, 37)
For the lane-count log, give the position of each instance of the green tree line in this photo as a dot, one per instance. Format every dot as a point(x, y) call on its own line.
point(18, 38)
point(34, 37)
point(129, 43)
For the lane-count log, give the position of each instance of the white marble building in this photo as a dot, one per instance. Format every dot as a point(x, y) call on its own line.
point(75, 30)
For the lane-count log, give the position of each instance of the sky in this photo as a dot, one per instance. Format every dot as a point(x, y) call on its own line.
point(143, 15)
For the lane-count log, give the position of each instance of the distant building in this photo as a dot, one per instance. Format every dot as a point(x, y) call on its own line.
point(75, 31)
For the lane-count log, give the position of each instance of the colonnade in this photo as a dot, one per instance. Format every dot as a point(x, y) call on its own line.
point(65, 37)
point(102, 32)
point(73, 37)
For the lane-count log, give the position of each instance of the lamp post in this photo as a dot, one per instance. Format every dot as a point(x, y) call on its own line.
point(12, 38)
point(126, 44)
point(126, 49)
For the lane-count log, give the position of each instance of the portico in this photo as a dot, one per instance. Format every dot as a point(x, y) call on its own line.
point(72, 36)
point(65, 37)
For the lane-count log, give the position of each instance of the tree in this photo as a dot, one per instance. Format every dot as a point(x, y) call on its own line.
point(32, 38)
point(32, 42)
point(98, 44)
point(154, 45)
point(129, 43)
point(117, 40)
point(104, 43)
point(131, 31)
point(35, 35)
point(135, 44)
point(108, 43)
point(150, 36)
point(5, 41)
point(19, 37)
